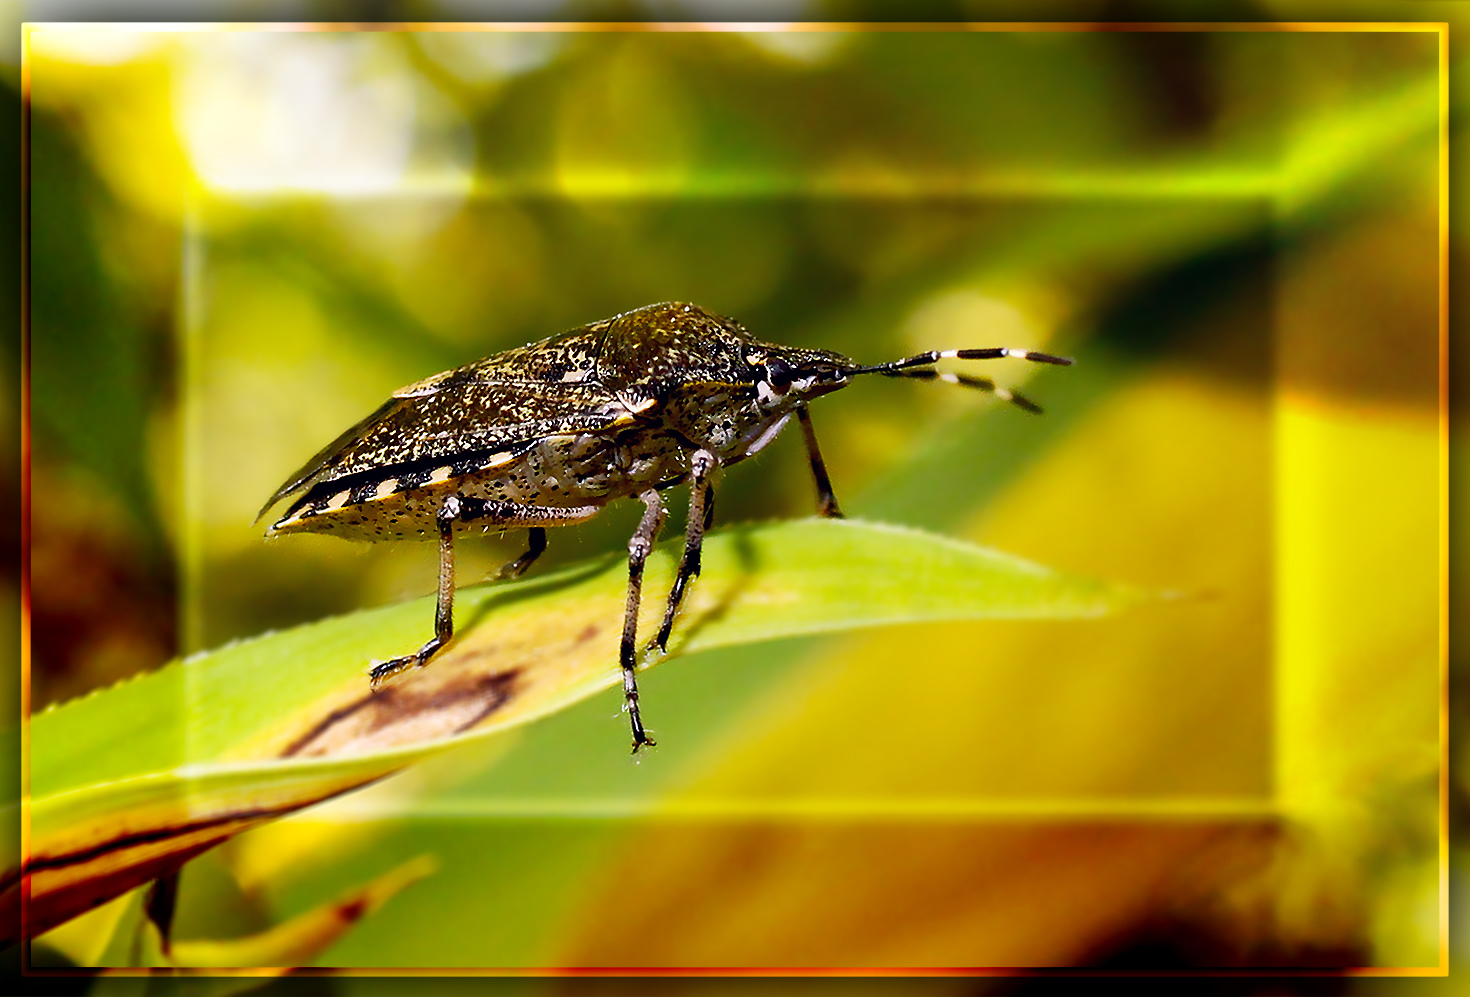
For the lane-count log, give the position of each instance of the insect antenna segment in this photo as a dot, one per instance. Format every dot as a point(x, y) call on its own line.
point(906, 368)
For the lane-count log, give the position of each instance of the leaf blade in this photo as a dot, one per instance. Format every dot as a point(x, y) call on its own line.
point(215, 755)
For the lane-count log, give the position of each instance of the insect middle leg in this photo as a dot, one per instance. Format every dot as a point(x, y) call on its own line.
point(535, 547)
point(460, 508)
point(701, 514)
point(638, 547)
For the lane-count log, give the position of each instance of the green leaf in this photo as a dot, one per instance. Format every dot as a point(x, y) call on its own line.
point(128, 782)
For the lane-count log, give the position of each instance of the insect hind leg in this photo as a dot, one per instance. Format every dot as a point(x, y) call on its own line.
point(639, 546)
point(465, 509)
point(451, 510)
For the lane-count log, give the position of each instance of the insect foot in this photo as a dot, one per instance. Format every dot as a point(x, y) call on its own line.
point(550, 433)
point(381, 671)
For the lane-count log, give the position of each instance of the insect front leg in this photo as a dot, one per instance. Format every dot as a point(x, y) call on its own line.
point(638, 547)
point(701, 515)
point(826, 501)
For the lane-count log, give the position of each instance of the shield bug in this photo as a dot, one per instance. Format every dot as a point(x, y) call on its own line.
point(549, 433)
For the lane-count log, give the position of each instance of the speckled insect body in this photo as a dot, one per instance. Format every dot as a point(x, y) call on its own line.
point(550, 433)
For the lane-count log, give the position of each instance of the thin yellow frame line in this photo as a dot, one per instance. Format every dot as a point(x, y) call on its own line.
point(1444, 496)
point(1193, 809)
point(25, 479)
point(739, 27)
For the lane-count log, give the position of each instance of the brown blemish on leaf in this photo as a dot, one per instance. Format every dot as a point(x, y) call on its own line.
point(353, 909)
point(435, 704)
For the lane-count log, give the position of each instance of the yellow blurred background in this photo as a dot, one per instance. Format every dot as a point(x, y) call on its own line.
point(241, 240)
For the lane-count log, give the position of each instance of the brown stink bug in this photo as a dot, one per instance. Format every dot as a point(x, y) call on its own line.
point(548, 434)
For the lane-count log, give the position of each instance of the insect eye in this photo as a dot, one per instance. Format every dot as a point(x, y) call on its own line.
point(778, 374)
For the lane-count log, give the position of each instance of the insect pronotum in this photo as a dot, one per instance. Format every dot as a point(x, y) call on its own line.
point(549, 433)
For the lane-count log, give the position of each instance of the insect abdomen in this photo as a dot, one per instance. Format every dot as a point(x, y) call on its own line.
point(564, 471)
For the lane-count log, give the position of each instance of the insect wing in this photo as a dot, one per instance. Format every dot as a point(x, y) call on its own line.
point(452, 418)
point(325, 458)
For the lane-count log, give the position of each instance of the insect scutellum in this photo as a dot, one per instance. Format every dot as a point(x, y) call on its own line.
point(549, 433)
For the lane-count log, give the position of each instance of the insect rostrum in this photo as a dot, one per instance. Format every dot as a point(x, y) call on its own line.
point(549, 433)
